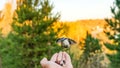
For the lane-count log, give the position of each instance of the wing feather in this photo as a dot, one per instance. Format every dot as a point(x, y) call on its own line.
point(71, 41)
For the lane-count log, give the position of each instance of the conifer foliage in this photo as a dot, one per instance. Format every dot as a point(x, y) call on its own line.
point(92, 55)
point(32, 37)
point(114, 25)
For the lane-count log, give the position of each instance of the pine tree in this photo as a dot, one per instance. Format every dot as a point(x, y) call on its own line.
point(92, 54)
point(114, 25)
point(32, 37)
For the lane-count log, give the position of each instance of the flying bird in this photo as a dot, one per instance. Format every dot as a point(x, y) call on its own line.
point(65, 42)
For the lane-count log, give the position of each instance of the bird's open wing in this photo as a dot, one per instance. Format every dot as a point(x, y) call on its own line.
point(71, 41)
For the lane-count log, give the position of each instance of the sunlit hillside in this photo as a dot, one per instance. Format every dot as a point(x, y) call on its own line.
point(77, 30)
point(6, 16)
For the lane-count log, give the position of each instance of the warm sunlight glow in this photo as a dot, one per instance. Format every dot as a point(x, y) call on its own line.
point(72, 10)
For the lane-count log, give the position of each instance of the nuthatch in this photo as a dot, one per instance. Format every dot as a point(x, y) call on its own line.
point(65, 42)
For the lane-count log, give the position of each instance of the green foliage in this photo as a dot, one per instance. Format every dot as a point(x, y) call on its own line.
point(91, 46)
point(32, 37)
point(115, 60)
point(114, 25)
point(10, 53)
point(91, 56)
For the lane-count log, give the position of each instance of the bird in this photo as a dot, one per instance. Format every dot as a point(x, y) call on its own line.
point(65, 42)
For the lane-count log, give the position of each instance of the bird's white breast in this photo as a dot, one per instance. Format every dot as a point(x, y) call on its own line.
point(66, 42)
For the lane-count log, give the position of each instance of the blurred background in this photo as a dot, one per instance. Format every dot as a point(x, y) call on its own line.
point(29, 30)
